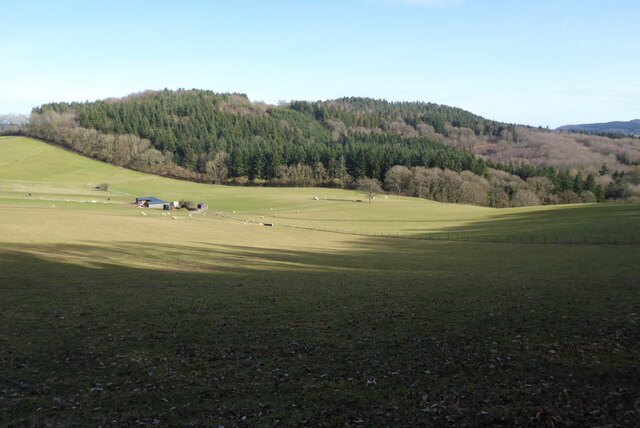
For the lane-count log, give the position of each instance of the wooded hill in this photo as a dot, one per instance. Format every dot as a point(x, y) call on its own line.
point(617, 129)
point(191, 126)
point(225, 138)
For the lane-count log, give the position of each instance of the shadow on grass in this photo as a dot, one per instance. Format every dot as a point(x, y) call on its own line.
point(568, 224)
point(584, 223)
point(386, 332)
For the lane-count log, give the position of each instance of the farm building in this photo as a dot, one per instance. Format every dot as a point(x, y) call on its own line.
point(171, 206)
point(150, 202)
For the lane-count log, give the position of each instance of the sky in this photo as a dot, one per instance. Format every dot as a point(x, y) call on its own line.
point(540, 63)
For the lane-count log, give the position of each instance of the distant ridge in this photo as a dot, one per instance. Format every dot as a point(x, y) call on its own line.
point(631, 127)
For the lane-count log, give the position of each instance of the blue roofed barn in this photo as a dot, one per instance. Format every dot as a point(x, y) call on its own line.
point(150, 202)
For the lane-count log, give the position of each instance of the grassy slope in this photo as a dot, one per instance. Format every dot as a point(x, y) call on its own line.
point(111, 317)
point(55, 175)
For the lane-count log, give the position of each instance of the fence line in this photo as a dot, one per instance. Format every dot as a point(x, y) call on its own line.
point(466, 237)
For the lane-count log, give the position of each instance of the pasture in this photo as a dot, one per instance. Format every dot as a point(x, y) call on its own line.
point(112, 318)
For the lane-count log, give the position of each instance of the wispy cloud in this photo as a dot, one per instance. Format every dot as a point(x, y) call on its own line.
point(564, 28)
point(425, 3)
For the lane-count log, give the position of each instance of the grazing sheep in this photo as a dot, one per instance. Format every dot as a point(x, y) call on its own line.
point(175, 218)
point(315, 198)
point(53, 206)
point(190, 216)
point(144, 213)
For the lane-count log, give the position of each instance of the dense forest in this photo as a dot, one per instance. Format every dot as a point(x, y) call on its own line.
point(190, 127)
point(225, 138)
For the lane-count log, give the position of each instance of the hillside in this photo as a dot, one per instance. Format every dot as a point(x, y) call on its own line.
point(416, 149)
point(347, 136)
point(53, 175)
point(631, 127)
point(399, 312)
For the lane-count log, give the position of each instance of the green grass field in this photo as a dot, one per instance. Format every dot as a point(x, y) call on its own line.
point(112, 318)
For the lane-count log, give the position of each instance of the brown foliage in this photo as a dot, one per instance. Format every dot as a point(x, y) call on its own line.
point(124, 150)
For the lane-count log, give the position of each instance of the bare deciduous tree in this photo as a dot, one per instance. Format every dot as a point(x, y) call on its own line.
point(217, 169)
point(369, 186)
point(397, 179)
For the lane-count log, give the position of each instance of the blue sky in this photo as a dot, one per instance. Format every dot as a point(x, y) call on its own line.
point(545, 62)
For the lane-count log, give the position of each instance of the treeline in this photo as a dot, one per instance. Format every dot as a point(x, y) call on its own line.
point(355, 112)
point(614, 135)
point(224, 138)
point(189, 126)
point(196, 129)
point(125, 150)
point(616, 129)
point(496, 189)
point(13, 124)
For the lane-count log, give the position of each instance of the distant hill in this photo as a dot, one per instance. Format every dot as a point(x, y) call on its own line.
point(228, 136)
point(631, 127)
point(225, 138)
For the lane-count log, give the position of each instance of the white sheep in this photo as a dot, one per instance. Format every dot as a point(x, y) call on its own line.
point(175, 218)
point(190, 216)
point(144, 213)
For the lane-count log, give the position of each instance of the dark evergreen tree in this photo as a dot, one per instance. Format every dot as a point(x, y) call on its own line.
point(340, 140)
